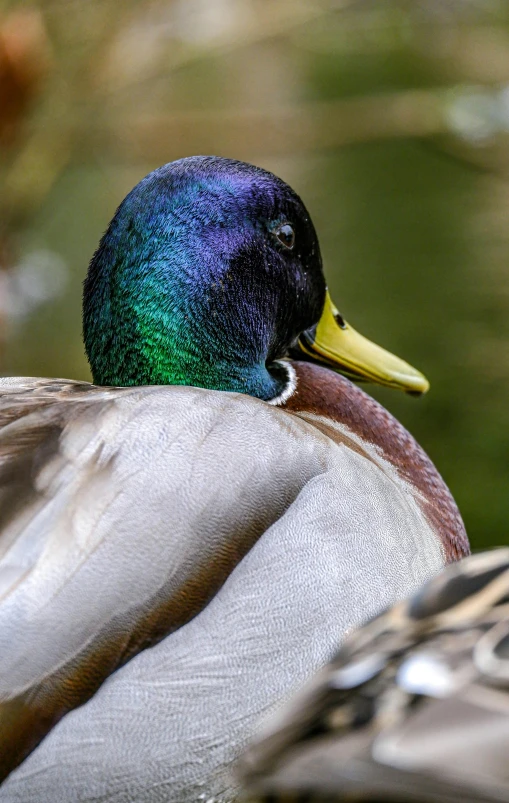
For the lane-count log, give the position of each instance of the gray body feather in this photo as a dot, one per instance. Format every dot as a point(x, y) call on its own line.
point(135, 494)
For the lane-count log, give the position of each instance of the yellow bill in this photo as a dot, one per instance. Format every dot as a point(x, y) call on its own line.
point(336, 344)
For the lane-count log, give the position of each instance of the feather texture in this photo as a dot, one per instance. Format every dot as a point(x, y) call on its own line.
point(413, 708)
point(225, 526)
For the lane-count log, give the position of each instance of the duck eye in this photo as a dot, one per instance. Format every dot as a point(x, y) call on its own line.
point(285, 235)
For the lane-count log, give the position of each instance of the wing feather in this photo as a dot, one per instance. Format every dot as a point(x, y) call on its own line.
point(114, 534)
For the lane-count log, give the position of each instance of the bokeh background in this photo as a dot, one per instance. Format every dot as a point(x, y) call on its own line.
point(391, 120)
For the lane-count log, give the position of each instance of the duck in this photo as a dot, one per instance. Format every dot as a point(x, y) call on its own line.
point(412, 707)
point(186, 540)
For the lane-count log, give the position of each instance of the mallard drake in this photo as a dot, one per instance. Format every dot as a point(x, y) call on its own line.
point(188, 539)
point(413, 707)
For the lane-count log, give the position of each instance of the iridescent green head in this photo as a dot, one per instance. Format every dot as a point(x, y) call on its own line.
point(206, 276)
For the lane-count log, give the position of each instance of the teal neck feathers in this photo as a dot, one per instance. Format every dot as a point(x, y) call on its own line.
point(200, 281)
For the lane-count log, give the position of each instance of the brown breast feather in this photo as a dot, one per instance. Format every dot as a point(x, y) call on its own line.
point(25, 719)
point(322, 392)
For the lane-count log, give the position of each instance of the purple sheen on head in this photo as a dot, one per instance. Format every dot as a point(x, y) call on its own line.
point(191, 286)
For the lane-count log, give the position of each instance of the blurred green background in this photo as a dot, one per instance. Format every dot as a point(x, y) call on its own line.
point(390, 119)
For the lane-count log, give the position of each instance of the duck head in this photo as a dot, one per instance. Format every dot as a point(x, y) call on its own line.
point(208, 275)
